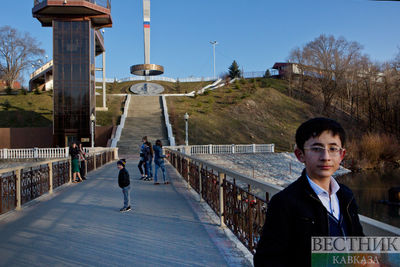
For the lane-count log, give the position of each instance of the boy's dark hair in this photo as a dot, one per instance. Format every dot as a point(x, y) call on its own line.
point(315, 127)
point(122, 162)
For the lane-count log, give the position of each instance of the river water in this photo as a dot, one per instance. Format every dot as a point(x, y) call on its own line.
point(369, 188)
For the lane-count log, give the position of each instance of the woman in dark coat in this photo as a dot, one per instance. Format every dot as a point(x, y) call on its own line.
point(74, 152)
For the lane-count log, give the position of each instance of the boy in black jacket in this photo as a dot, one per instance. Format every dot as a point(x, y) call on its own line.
point(313, 205)
point(124, 183)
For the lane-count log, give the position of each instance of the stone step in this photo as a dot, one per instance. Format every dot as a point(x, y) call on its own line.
point(145, 118)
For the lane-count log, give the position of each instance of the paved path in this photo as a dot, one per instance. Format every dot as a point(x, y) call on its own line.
point(81, 225)
point(145, 118)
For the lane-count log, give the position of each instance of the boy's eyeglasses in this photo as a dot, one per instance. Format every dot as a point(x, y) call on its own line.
point(332, 150)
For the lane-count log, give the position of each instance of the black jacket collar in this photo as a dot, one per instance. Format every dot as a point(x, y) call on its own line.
point(344, 194)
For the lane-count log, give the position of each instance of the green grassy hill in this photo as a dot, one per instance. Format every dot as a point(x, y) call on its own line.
point(30, 110)
point(249, 111)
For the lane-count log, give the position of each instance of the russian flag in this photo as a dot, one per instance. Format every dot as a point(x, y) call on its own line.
point(146, 24)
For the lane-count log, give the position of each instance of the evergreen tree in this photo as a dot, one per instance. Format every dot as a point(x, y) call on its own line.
point(267, 74)
point(234, 71)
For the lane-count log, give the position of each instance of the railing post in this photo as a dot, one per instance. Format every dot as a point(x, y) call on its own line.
point(233, 149)
point(66, 152)
point(210, 149)
point(94, 161)
point(50, 164)
point(18, 188)
point(70, 171)
point(5, 154)
point(35, 152)
point(273, 148)
point(115, 153)
point(176, 161)
point(221, 177)
point(86, 163)
point(200, 182)
point(188, 173)
point(254, 148)
point(250, 209)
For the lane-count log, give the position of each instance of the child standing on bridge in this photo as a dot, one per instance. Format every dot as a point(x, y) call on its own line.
point(124, 182)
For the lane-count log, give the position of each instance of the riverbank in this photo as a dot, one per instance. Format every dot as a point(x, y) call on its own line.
point(276, 168)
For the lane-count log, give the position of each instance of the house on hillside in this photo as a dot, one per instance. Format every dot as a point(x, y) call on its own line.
point(3, 85)
point(286, 68)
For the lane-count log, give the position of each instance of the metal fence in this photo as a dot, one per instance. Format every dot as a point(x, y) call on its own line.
point(239, 201)
point(28, 153)
point(42, 153)
point(156, 78)
point(224, 149)
point(19, 185)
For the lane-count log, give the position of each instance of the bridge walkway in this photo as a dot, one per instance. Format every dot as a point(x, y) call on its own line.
point(80, 224)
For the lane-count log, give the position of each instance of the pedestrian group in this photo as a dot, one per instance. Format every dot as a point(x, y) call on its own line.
point(147, 154)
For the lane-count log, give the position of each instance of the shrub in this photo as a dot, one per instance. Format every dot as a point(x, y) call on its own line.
point(237, 85)
point(23, 91)
point(265, 83)
point(8, 90)
point(244, 95)
point(373, 150)
point(6, 105)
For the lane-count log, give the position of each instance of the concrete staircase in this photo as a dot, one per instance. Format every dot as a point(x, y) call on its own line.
point(145, 118)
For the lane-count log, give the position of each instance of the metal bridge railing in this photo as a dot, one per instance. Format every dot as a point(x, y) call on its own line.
point(19, 185)
point(240, 201)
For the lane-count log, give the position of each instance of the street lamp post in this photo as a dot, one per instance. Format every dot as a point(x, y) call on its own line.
point(92, 120)
point(214, 43)
point(186, 117)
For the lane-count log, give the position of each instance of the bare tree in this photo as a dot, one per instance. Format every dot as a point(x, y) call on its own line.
point(396, 62)
point(17, 53)
point(329, 59)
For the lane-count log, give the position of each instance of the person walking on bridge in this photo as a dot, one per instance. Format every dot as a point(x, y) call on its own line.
point(75, 152)
point(149, 162)
point(159, 162)
point(142, 158)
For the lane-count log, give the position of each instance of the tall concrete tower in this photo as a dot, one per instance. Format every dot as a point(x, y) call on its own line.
point(146, 69)
point(76, 42)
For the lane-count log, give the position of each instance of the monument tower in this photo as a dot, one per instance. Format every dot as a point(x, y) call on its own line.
point(147, 69)
point(76, 42)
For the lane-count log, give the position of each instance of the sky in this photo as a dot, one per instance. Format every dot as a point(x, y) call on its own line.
point(255, 33)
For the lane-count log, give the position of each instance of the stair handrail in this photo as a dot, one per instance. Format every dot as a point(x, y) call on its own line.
point(171, 137)
point(122, 122)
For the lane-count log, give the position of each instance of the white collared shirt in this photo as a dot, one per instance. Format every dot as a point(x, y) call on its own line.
point(330, 202)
